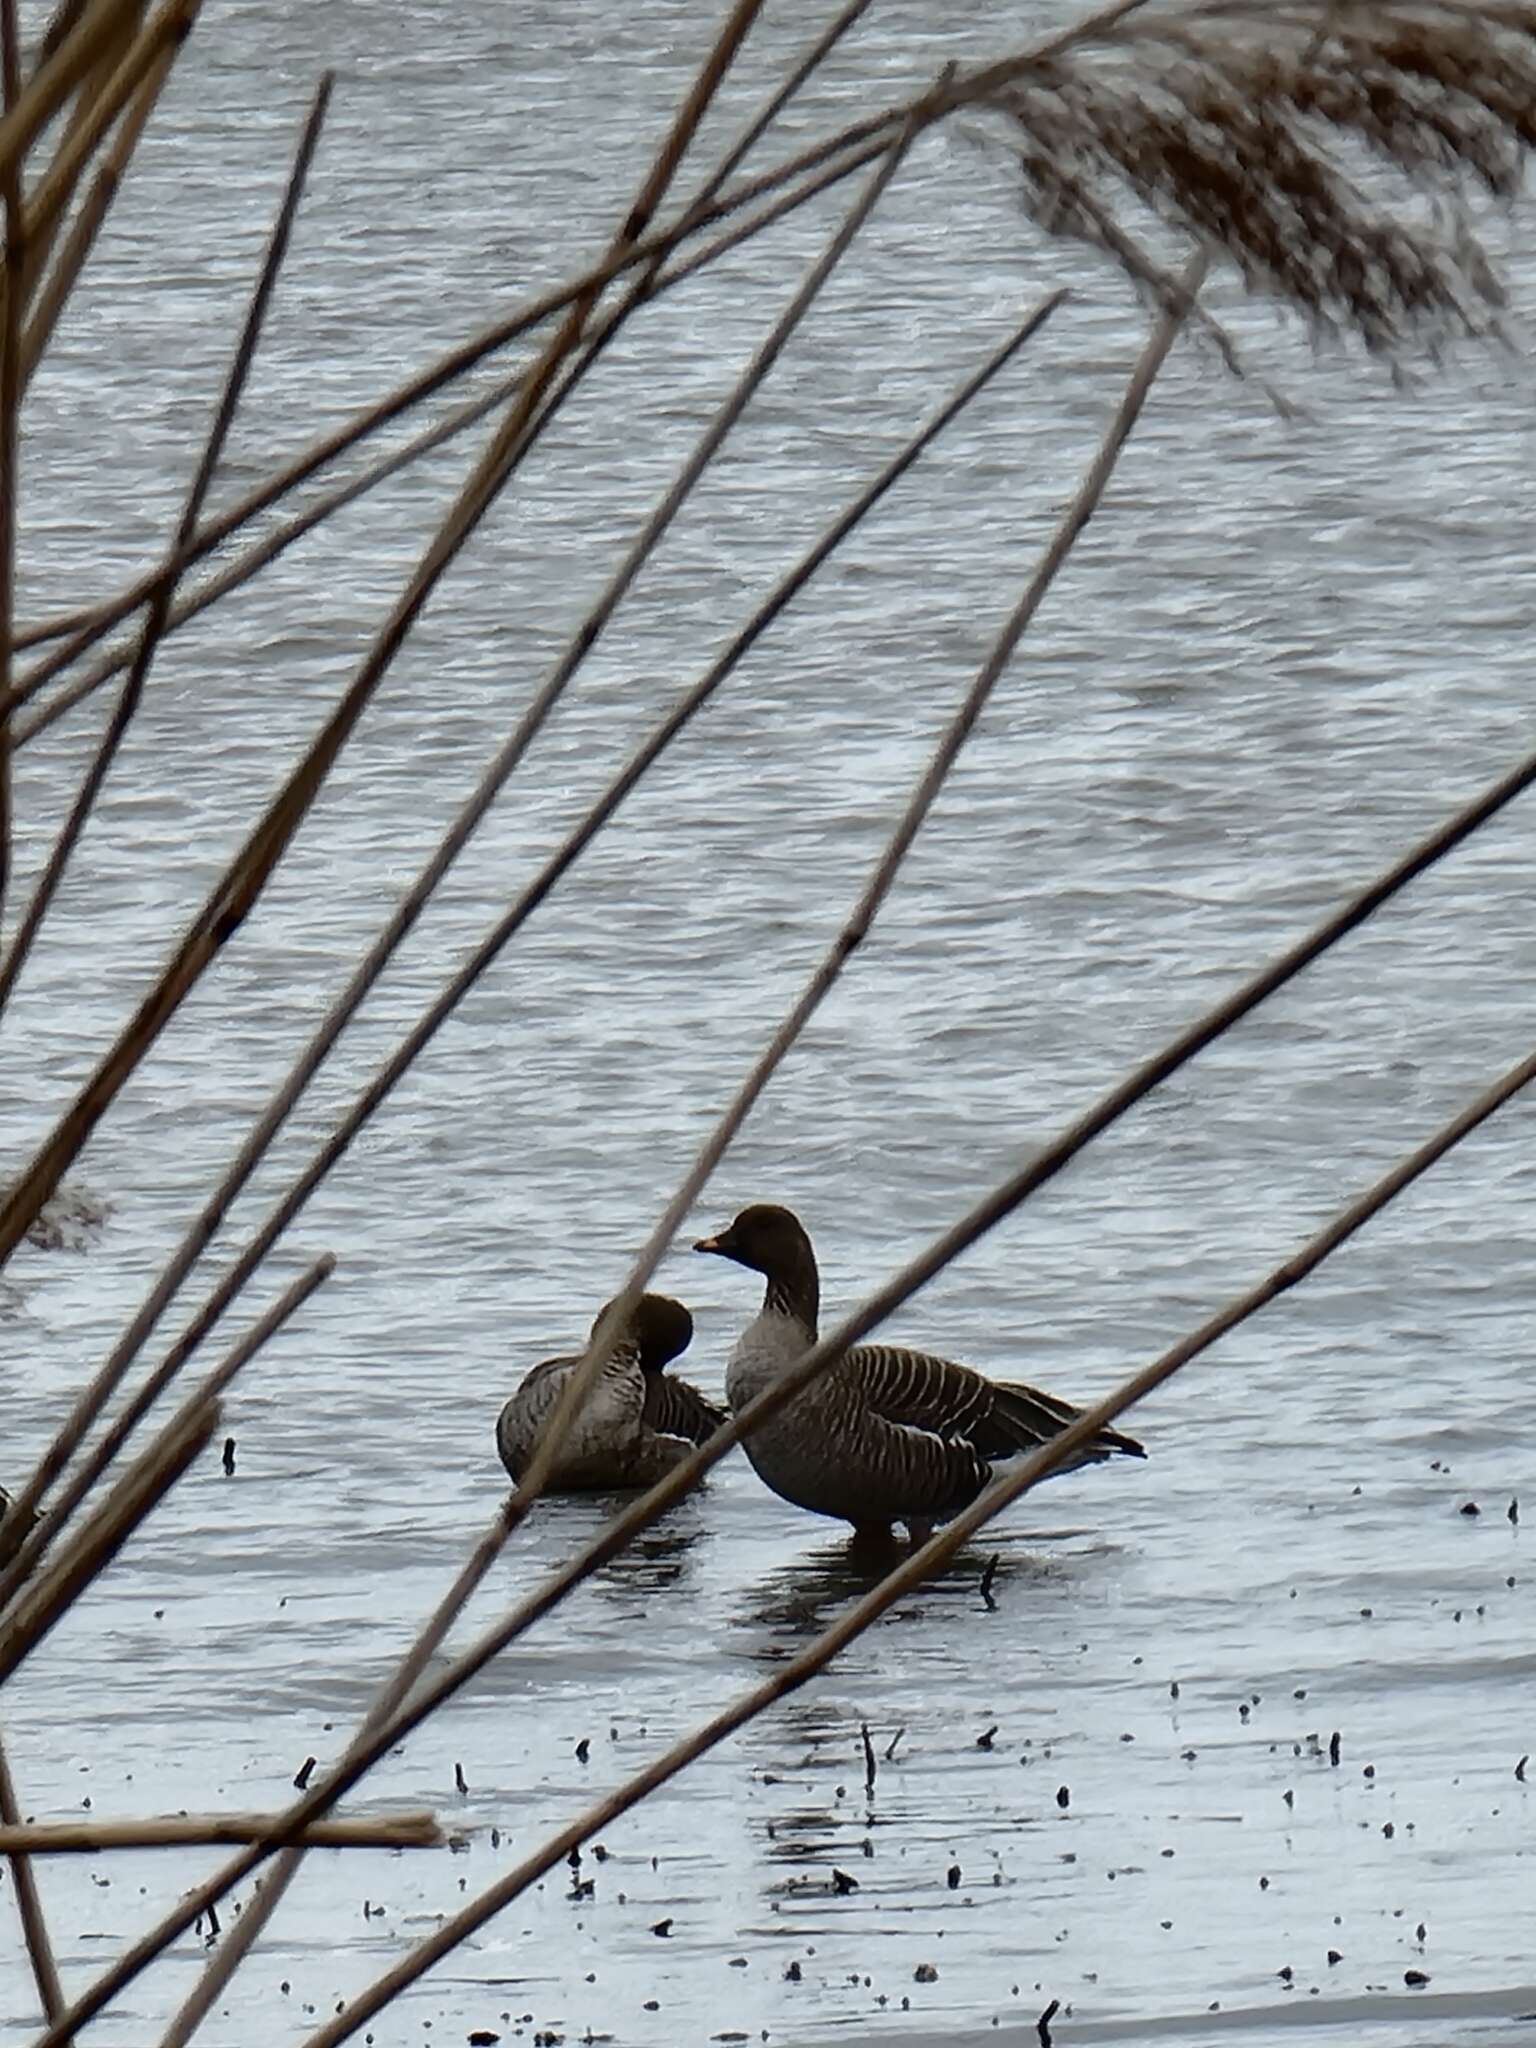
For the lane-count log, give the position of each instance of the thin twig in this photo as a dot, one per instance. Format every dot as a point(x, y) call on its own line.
point(164, 34)
point(794, 82)
point(919, 1566)
point(29, 1905)
point(265, 551)
point(155, 617)
point(81, 239)
point(10, 408)
point(57, 76)
point(416, 1829)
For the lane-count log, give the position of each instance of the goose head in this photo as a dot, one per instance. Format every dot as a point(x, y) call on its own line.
point(660, 1329)
point(772, 1241)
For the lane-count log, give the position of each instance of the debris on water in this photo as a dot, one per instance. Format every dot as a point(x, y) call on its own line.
point(1043, 2024)
point(842, 1883)
point(925, 1973)
point(1289, 1797)
point(1063, 1796)
point(952, 1877)
point(1470, 1507)
point(988, 1577)
point(1421, 1934)
point(482, 2037)
point(583, 1749)
point(1415, 1979)
point(869, 1760)
point(229, 1457)
point(792, 1973)
point(70, 1220)
point(1335, 1746)
point(1173, 1688)
point(460, 1782)
point(1520, 1769)
point(662, 1928)
point(985, 1738)
point(1286, 1974)
point(1334, 1957)
point(1513, 1510)
point(890, 1747)
point(301, 1777)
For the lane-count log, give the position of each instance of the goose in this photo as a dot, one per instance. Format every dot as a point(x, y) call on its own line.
point(886, 1435)
point(636, 1422)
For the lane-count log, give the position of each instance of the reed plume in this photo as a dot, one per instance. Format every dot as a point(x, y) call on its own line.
point(1301, 142)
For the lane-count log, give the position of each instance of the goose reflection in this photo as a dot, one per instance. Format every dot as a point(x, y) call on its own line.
point(651, 1563)
point(799, 1599)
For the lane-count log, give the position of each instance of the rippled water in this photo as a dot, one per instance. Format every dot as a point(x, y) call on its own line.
point(1282, 651)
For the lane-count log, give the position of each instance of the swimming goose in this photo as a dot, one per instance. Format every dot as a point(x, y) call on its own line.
point(636, 1423)
point(886, 1435)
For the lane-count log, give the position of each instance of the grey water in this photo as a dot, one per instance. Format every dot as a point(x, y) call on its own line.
point(1285, 648)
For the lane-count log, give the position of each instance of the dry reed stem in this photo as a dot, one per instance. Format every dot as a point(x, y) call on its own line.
point(10, 408)
point(821, 165)
point(161, 38)
point(396, 930)
point(414, 1829)
point(89, 625)
point(61, 280)
point(159, 607)
point(56, 77)
point(914, 1569)
point(22, 1553)
point(507, 446)
point(793, 83)
point(29, 1904)
point(28, 1619)
point(246, 876)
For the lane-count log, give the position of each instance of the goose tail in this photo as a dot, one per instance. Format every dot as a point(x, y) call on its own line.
point(1036, 1417)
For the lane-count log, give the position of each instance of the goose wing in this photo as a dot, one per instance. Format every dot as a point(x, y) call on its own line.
point(674, 1408)
point(917, 1390)
point(996, 1419)
point(1042, 1416)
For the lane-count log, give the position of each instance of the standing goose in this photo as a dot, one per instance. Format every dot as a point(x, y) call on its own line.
point(636, 1422)
point(886, 1435)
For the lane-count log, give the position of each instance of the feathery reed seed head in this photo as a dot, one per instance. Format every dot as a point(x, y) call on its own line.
point(1302, 143)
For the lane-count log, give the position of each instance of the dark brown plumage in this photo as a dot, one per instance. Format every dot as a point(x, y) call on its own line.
point(636, 1423)
point(887, 1434)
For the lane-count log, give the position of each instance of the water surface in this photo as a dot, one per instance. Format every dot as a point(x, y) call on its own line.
point(1282, 652)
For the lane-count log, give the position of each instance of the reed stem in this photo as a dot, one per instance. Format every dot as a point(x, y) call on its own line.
point(416, 1829)
point(159, 608)
point(29, 1904)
